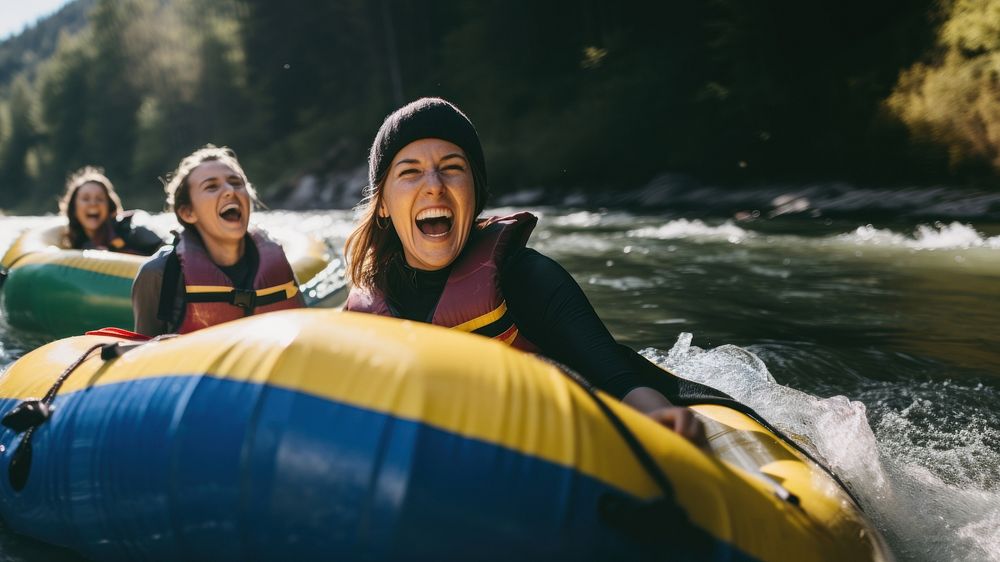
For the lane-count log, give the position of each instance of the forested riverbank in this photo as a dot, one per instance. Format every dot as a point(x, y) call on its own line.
point(587, 97)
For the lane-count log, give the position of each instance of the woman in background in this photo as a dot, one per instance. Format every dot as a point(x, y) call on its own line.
point(96, 220)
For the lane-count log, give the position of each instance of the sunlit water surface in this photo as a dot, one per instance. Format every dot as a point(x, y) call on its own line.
point(877, 346)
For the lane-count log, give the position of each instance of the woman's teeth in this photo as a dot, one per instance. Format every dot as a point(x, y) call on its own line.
point(435, 222)
point(434, 212)
point(231, 213)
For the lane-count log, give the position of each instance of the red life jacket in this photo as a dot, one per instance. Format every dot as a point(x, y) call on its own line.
point(209, 295)
point(471, 300)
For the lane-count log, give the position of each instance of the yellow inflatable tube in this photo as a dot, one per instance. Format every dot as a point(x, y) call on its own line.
point(484, 443)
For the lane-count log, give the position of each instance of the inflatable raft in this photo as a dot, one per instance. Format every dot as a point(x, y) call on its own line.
point(319, 434)
point(60, 292)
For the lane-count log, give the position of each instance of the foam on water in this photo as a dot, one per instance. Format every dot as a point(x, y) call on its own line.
point(579, 219)
point(580, 243)
point(14, 226)
point(629, 283)
point(926, 517)
point(694, 229)
point(923, 516)
point(940, 236)
point(332, 226)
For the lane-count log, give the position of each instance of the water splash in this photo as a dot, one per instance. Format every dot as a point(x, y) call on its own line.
point(332, 226)
point(579, 219)
point(923, 516)
point(694, 229)
point(835, 429)
point(14, 226)
point(943, 506)
point(940, 236)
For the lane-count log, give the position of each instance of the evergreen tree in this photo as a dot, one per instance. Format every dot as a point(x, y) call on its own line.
point(64, 94)
point(20, 139)
point(110, 122)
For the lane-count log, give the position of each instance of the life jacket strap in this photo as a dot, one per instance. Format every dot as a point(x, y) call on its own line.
point(168, 289)
point(491, 324)
point(247, 300)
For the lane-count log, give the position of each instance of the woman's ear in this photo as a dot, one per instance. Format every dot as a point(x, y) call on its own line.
point(187, 214)
point(383, 213)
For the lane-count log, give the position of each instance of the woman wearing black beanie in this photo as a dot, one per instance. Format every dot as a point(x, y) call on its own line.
point(420, 252)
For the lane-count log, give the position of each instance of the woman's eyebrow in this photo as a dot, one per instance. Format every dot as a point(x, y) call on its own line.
point(454, 155)
point(407, 161)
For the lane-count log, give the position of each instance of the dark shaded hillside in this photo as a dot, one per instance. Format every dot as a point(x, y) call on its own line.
point(26, 50)
point(590, 95)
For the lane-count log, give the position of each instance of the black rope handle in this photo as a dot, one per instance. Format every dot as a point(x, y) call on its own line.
point(640, 452)
point(31, 413)
point(661, 521)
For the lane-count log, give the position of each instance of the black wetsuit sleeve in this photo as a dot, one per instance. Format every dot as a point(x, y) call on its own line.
point(144, 241)
point(138, 239)
point(146, 296)
point(551, 310)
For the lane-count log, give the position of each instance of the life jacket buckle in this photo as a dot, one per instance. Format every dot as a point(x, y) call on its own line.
point(244, 299)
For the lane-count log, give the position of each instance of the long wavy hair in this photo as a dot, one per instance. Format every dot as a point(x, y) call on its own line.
point(176, 183)
point(75, 235)
point(374, 252)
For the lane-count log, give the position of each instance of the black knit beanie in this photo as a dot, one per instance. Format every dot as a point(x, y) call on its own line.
point(425, 118)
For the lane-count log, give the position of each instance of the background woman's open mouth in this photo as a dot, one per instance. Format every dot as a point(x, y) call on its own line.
point(231, 214)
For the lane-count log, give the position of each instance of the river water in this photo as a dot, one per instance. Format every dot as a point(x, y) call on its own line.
point(875, 345)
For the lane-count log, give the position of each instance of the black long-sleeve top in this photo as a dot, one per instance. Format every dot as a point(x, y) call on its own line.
point(551, 310)
point(137, 239)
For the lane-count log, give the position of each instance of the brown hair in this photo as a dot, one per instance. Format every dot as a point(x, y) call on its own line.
point(75, 234)
point(374, 253)
point(176, 184)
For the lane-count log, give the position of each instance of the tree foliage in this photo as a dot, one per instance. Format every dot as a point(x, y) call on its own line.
point(583, 93)
point(19, 139)
point(952, 99)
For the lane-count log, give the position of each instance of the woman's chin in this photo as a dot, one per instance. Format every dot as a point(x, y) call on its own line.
point(225, 232)
point(430, 253)
point(431, 261)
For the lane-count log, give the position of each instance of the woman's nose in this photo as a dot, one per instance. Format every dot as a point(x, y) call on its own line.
point(432, 182)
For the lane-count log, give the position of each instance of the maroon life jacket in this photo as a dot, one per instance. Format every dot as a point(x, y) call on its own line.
point(471, 300)
point(210, 297)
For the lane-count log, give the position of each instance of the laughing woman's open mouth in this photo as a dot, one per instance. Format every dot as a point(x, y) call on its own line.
point(436, 222)
point(231, 213)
